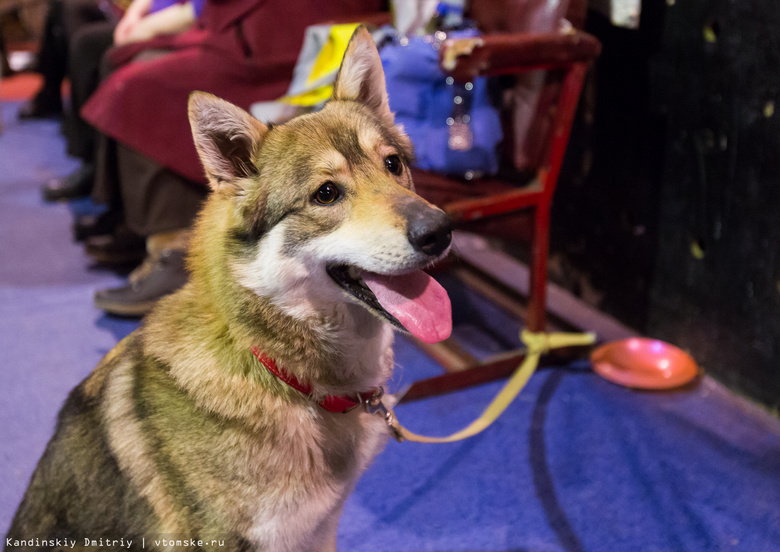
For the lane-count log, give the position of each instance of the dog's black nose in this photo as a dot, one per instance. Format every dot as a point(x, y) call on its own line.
point(429, 230)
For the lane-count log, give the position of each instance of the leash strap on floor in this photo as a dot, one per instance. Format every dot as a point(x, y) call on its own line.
point(536, 344)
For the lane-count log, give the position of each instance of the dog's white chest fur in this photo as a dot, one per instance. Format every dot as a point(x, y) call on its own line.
point(304, 514)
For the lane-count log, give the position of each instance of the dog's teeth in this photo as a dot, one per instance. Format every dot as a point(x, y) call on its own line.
point(354, 273)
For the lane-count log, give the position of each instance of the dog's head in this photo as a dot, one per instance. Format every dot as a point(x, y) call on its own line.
point(323, 207)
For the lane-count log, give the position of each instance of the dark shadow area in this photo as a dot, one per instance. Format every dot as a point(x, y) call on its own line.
point(542, 478)
point(462, 454)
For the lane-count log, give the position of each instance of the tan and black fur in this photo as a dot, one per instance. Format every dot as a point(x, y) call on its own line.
point(180, 432)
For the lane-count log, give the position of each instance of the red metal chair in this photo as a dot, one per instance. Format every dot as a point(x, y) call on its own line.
point(565, 56)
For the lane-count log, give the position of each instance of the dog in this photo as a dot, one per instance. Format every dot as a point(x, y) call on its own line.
point(231, 418)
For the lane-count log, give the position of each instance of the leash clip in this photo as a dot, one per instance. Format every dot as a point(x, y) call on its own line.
point(374, 405)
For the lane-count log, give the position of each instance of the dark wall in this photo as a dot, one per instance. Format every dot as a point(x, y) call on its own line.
point(605, 214)
point(717, 278)
point(671, 216)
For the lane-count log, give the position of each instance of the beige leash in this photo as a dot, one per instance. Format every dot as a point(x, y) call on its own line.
point(536, 344)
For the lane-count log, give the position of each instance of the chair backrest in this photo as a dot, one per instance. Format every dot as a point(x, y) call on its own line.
point(517, 16)
point(529, 103)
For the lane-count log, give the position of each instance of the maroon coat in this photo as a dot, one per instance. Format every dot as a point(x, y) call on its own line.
point(242, 50)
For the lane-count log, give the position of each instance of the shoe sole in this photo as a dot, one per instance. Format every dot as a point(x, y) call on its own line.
point(99, 225)
point(115, 259)
point(62, 198)
point(137, 310)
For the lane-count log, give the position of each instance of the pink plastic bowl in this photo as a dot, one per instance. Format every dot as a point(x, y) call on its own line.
point(643, 363)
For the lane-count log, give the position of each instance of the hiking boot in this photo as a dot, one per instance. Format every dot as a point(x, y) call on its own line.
point(158, 276)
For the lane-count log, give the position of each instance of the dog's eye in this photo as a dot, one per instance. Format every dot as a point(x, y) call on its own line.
point(393, 164)
point(327, 194)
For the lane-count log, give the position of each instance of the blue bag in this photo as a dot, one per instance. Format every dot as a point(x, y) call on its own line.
point(454, 127)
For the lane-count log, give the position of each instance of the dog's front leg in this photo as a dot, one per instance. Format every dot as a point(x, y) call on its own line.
point(327, 533)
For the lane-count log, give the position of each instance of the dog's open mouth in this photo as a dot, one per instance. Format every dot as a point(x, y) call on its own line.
point(413, 302)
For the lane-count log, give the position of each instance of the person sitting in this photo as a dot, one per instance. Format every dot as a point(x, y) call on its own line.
point(240, 50)
point(63, 19)
point(89, 41)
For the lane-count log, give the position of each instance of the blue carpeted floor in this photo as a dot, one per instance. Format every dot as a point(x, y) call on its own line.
point(575, 464)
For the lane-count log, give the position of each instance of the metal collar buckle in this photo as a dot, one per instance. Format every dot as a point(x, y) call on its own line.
point(374, 405)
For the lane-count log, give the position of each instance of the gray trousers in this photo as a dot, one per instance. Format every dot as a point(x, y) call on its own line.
point(153, 198)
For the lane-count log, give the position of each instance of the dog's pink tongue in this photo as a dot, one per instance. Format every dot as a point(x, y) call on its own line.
point(418, 302)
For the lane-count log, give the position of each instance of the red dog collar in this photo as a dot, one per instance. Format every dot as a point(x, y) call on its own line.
point(331, 403)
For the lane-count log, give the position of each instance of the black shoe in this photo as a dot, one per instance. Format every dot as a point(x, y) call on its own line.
point(76, 184)
point(87, 226)
point(39, 108)
point(152, 281)
point(122, 247)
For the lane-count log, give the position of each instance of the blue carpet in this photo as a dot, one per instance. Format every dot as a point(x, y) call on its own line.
point(576, 464)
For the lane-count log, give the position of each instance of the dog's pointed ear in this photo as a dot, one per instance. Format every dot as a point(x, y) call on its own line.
point(227, 138)
point(361, 77)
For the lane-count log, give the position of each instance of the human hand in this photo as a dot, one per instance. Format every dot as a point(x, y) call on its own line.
point(174, 19)
point(137, 10)
point(125, 27)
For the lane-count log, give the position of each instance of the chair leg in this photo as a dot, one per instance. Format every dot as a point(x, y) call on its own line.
point(537, 296)
point(570, 93)
point(501, 367)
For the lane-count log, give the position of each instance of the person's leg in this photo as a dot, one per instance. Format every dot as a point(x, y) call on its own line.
point(77, 13)
point(154, 198)
point(161, 206)
point(52, 65)
point(5, 67)
point(87, 47)
point(105, 235)
point(63, 19)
